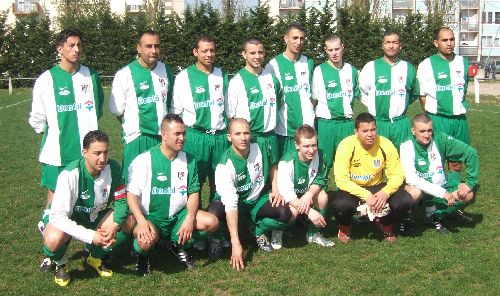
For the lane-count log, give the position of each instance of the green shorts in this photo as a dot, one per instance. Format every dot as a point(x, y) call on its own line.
point(285, 144)
point(268, 144)
point(168, 229)
point(49, 176)
point(455, 126)
point(397, 131)
point(330, 133)
point(136, 147)
point(207, 149)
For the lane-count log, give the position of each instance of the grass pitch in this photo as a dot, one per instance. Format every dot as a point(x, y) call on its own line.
point(463, 263)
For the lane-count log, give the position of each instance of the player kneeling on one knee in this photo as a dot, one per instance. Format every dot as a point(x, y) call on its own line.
point(243, 189)
point(423, 158)
point(80, 209)
point(360, 164)
point(163, 196)
point(302, 180)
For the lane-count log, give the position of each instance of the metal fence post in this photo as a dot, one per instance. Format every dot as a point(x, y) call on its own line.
point(10, 85)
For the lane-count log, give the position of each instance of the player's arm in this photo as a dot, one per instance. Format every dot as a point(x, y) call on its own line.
point(233, 97)
point(38, 115)
point(355, 83)
point(318, 89)
point(414, 85)
point(170, 86)
point(117, 98)
point(186, 230)
point(364, 82)
point(236, 248)
point(179, 87)
point(422, 80)
point(99, 93)
point(456, 149)
point(393, 168)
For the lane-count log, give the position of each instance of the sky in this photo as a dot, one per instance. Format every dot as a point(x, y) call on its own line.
point(216, 3)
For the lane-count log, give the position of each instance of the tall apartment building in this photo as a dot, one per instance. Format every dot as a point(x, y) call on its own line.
point(20, 8)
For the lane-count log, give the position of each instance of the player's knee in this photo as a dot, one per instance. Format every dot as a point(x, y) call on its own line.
point(284, 213)
point(322, 199)
point(414, 191)
point(53, 239)
point(469, 198)
point(403, 202)
point(455, 166)
point(147, 246)
point(129, 224)
point(216, 208)
point(343, 205)
point(211, 223)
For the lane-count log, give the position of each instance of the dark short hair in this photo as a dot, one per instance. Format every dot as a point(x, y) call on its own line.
point(251, 40)
point(363, 117)
point(94, 136)
point(171, 117)
point(333, 37)
point(146, 32)
point(422, 118)
point(390, 32)
point(438, 31)
point(304, 131)
point(294, 26)
point(202, 38)
point(234, 120)
point(66, 33)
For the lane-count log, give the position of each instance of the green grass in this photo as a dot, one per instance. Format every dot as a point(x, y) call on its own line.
point(463, 263)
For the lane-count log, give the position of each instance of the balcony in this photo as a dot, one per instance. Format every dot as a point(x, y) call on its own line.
point(468, 4)
point(468, 51)
point(25, 7)
point(402, 4)
point(469, 27)
point(134, 8)
point(291, 4)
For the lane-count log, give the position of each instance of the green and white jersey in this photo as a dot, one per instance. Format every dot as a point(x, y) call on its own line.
point(295, 79)
point(65, 108)
point(142, 96)
point(295, 176)
point(79, 198)
point(255, 98)
point(335, 90)
point(239, 180)
point(444, 84)
point(387, 90)
point(200, 98)
point(162, 185)
point(424, 166)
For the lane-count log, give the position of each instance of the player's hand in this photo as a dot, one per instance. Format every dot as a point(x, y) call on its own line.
point(462, 191)
point(305, 203)
point(381, 198)
point(99, 239)
point(371, 201)
point(237, 256)
point(185, 231)
point(110, 230)
point(146, 232)
point(276, 199)
point(316, 218)
point(449, 198)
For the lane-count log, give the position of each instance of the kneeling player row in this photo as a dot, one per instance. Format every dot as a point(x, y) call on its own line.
point(163, 195)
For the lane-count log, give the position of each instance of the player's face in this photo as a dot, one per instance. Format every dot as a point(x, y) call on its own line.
point(254, 55)
point(391, 45)
point(422, 132)
point(71, 50)
point(205, 53)
point(148, 49)
point(173, 135)
point(445, 42)
point(307, 148)
point(334, 50)
point(239, 136)
point(366, 133)
point(96, 157)
point(295, 41)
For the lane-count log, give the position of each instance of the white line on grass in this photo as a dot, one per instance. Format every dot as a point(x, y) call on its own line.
point(489, 111)
point(12, 105)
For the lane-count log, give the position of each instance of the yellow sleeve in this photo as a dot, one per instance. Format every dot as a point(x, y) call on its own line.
point(342, 166)
point(393, 168)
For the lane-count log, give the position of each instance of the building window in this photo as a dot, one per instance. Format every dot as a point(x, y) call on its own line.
point(497, 42)
point(487, 41)
point(487, 17)
point(497, 17)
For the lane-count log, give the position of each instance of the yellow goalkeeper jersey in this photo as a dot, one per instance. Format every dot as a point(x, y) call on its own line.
point(356, 167)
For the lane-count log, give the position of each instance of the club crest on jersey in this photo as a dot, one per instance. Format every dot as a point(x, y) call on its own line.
point(217, 87)
point(272, 101)
point(64, 91)
point(259, 179)
point(256, 167)
point(182, 189)
point(163, 96)
point(144, 85)
point(401, 92)
point(104, 192)
point(269, 86)
point(421, 162)
point(432, 156)
point(348, 82)
point(303, 73)
point(356, 163)
point(180, 175)
point(288, 76)
point(442, 75)
point(301, 181)
point(313, 173)
point(382, 79)
point(85, 88)
point(401, 79)
point(161, 177)
point(332, 83)
point(376, 163)
point(84, 195)
point(220, 102)
point(89, 105)
point(199, 90)
point(162, 82)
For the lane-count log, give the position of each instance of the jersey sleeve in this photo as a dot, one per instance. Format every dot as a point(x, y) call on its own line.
point(318, 92)
point(232, 98)
point(341, 166)
point(193, 181)
point(365, 84)
point(137, 174)
point(179, 87)
point(279, 93)
point(415, 87)
point(120, 206)
point(423, 77)
point(63, 202)
point(456, 149)
point(38, 115)
point(355, 82)
point(117, 98)
point(321, 178)
point(225, 181)
point(408, 163)
point(310, 66)
point(466, 74)
point(393, 168)
point(170, 88)
point(98, 93)
point(286, 180)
